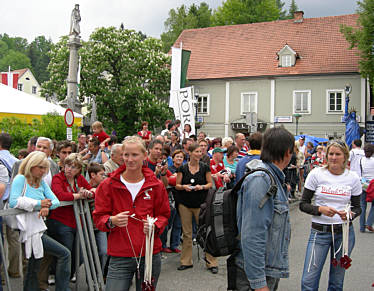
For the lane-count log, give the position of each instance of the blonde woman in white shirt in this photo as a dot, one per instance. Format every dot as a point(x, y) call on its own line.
point(333, 187)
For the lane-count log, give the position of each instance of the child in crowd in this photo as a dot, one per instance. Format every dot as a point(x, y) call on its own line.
point(98, 131)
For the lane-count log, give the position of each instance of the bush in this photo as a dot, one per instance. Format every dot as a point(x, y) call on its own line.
point(52, 125)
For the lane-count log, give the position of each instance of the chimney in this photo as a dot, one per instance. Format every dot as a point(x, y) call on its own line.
point(298, 16)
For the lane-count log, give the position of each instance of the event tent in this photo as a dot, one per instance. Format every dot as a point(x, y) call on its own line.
point(14, 103)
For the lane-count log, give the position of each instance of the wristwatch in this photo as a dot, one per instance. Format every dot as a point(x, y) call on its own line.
point(109, 223)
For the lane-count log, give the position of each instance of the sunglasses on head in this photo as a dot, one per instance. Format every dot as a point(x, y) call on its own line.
point(339, 142)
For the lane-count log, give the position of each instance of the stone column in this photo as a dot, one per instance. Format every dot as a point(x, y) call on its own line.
point(74, 44)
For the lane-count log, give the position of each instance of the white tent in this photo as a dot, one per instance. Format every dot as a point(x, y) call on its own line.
point(22, 105)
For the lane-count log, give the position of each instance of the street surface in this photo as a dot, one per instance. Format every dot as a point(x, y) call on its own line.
point(359, 276)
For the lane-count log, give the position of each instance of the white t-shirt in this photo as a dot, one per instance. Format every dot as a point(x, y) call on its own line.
point(164, 132)
point(332, 190)
point(133, 188)
point(354, 158)
point(367, 168)
point(302, 148)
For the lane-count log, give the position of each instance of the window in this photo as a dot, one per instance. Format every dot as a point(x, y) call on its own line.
point(302, 102)
point(286, 61)
point(33, 89)
point(203, 104)
point(248, 102)
point(20, 87)
point(335, 101)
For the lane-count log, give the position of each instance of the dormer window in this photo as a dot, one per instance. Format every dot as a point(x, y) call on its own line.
point(287, 57)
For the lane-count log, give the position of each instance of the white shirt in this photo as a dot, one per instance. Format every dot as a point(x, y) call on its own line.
point(333, 191)
point(133, 188)
point(367, 168)
point(48, 178)
point(354, 158)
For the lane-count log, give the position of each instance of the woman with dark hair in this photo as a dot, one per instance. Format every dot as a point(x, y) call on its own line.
point(230, 161)
point(193, 182)
point(367, 174)
point(145, 134)
point(187, 131)
point(337, 199)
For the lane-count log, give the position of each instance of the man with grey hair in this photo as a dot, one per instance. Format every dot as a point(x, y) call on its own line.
point(116, 159)
point(45, 145)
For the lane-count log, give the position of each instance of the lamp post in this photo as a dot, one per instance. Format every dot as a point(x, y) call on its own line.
point(297, 116)
point(196, 95)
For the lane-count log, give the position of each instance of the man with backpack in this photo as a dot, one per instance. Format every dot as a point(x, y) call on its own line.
point(263, 217)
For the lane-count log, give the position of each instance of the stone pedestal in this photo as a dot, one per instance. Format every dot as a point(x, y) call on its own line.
point(74, 44)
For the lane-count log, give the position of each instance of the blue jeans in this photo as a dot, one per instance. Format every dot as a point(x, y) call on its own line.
point(121, 271)
point(370, 220)
point(176, 231)
point(319, 244)
point(62, 254)
point(66, 236)
point(102, 246)
point(175, 225)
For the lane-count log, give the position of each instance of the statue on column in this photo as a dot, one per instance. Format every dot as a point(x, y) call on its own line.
point(74, 22)
point(352, 128)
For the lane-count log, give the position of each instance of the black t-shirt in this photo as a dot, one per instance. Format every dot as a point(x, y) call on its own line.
point(193, 199)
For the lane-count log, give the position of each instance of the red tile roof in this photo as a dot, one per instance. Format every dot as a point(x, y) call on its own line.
point(250, 50)
point(20, 71)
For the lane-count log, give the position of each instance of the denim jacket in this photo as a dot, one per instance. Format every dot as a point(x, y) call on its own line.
point(264, 232)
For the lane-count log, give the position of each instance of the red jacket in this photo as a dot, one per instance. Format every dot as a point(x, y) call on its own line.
point(62, 190)
point(112, 197)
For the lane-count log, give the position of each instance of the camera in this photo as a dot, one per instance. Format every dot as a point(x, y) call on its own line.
point(164, 162)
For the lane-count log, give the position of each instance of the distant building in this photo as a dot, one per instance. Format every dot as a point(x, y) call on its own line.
point(275, 69)
point(27, 82)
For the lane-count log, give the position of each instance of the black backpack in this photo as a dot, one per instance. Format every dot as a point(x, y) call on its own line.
point(217, 233)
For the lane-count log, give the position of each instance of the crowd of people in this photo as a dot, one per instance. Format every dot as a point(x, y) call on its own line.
point(167, 177)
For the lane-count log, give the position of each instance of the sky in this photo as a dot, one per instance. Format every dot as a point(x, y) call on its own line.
point(51, 18)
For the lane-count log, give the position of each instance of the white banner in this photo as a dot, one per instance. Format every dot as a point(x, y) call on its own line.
point(185, 109)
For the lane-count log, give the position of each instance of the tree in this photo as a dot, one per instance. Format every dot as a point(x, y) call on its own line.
point(362, 37)
point(293, 9)
point(37, 51)
point(184, 18)
point(245, 11)
point(15, 60)
point(58, 70)
point(129, 78)
point(282, 13)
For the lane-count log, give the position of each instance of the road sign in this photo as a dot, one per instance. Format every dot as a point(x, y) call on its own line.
point(69, 117)
point(69, 133)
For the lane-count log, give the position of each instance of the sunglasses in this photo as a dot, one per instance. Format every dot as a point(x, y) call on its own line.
point(339, 142)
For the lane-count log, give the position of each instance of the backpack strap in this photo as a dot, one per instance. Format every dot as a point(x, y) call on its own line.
point(272, 191)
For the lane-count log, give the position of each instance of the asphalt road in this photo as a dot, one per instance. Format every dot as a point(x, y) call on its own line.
point(358, 278)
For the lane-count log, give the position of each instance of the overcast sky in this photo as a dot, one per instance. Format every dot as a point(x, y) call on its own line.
point(51, 18)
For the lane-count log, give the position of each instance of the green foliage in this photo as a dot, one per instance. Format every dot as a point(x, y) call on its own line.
point(38, 53)
point(293, 9)
point(184, 18)
point(245, 11)
point(58, 70)
point(129, 77)
point(18, 54)
point(282, 13)
point(362, 37)
point(15, 60)
point(52, 126)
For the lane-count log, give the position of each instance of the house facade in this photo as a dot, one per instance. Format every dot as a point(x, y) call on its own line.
point(274, 73)
point(27, 82)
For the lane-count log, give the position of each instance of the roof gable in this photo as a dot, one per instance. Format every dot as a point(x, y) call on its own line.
point(250, 50)
point(286, 49)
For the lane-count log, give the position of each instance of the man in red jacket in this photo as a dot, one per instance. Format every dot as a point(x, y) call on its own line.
point(122, 204)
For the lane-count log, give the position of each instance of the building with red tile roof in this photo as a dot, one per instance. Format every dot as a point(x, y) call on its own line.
point(275, 69)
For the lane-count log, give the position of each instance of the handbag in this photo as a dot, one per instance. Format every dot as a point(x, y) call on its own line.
point(11, 220)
